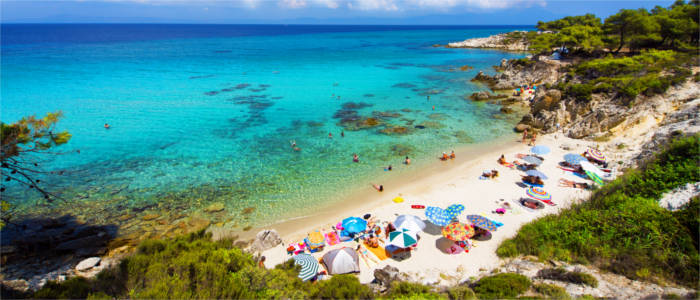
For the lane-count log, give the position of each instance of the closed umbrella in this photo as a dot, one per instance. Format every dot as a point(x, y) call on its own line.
point(595, 178)
point(533, 160)
point(457, 231)
point(540, 150)
point(455, 209)
point(536, 173)
point(595, 154)
point(402, 238)
point(341, 261)
point(354, 225)
point(409, 222)
point(438, 216)
point(538, 194)
point(574, 159)
point(309, 266)
point(483, 222)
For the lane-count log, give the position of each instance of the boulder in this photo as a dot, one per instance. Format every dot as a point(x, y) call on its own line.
point(388, 274)
point(87, 263)
point(266, 239)
point(17, 285)
point(480, 96)
point(214, 207)
point(521, 127)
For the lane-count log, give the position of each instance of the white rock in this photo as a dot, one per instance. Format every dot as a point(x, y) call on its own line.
point(87, 263)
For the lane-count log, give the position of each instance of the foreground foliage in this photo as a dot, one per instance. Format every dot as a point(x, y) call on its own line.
point(501, 286)
point(622, 228)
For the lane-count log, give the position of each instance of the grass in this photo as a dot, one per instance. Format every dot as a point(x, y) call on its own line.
point(551, 291)
point(622, 229)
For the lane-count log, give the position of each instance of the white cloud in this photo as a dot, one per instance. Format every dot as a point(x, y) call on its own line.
point(294, 4)
point(387, 5)
point(332, 4)
point(482, 4)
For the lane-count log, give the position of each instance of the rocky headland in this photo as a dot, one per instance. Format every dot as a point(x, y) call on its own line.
point(504, 41)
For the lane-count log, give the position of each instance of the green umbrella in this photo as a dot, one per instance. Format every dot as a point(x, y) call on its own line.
point(402, 238)
point(309, 266)
point(595, 178)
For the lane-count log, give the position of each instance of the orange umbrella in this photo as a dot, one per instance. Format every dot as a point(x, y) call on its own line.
point(457, 231)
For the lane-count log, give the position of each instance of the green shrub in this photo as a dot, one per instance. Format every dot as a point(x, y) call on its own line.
point(74, 288)
point(343, 287)
point(411, 290)
point(551, 291)
point(621, 228)
point(561, 274)
point(461, 293)
point(499, 286)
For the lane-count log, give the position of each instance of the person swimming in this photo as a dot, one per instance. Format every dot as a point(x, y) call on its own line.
point(330, 135)
point(342, 134)
point(107, 126)
point(355, 158)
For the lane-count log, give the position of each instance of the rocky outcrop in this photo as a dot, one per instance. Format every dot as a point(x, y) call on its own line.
point(680, 196)
point(504, 41)
point(385, 276)
point(266, 239)
point(514, 73)
point(87, 263)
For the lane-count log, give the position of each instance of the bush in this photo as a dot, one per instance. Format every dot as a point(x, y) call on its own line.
point(411, 290)
point(551, 291)
point(343, 287)
point(621, 228)
point(564, 275)
point(461, 293)
point(499, 286)
point(74, 288)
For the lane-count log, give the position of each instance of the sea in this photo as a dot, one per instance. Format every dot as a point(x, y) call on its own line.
point(245, 124)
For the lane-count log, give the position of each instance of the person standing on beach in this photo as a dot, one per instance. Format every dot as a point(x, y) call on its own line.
point(524, 135)
point(534, 136)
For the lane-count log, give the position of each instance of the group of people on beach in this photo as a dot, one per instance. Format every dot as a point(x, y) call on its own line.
point(533, 137)
point(445, 156)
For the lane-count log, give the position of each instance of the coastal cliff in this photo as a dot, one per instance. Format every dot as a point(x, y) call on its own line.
point(504, 41)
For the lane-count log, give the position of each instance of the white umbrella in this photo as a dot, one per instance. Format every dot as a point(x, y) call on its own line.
point(587, 166)
point(341, 261)
point(402, 238)
point(409, 222)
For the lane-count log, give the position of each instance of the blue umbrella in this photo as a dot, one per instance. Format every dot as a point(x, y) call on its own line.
point(455, 209)
point(540, 150)
point(483, 222)
point(574, 159)
point(532, 160)
point(536, 173)
point(354, 225)
point(438, 216)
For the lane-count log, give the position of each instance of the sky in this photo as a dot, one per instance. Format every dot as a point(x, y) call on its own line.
point(373, 12)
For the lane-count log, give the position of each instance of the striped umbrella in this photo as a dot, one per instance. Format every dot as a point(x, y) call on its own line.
point(483, 222)
point(409, 222)
point(354, 225)
point(309, 266)
point(536, 173)
point(455, 209)
point(402, 238)
point(533, 160)
point(538, 194)
point(595, 178)
point(540, 150)
point(574, 159)
point(587, 166)
point(457, 231)
point(595, 154)
point(438, 216)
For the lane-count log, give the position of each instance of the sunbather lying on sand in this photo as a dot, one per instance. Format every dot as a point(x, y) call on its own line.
point(490, 174)
point(521, 156)
point(569, 183)
point(532, 179)
point(524, 166)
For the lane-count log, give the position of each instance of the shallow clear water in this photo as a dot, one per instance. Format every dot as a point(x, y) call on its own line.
point(207, 117)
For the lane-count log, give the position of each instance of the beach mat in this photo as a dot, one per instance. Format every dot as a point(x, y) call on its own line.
point(379, 252)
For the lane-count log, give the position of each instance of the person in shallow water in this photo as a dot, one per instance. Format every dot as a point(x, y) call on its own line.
point(388, 168)
point(342, 134)
point(355, 158)
point(330, 135)
point(452, 155)
point(107, 126)
point(378, 187)
point(407, 161)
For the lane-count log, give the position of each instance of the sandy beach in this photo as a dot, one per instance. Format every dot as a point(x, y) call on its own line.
point(446, 183)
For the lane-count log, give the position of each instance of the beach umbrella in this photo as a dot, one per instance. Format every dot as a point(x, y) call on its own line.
point(402, 238)
point(309, 266)
point(457, 231)
point(455, 209)
point(438, 216)
point(354, 225)
point(574, 159)
point(315, 239)
point(532, 160)
point(540, 150)
point(409, 222)
point(482, 222)
point(595, 154)
point(589, 167)
point(595, 177)
point(341, 261)
point(538, 194)
point(536, 173)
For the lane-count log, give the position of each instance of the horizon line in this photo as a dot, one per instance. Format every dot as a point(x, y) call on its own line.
point(276, 24)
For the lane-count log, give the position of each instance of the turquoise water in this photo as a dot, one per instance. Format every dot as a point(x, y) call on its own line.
point(198, 120)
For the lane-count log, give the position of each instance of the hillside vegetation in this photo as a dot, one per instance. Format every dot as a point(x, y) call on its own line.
point(622, 228)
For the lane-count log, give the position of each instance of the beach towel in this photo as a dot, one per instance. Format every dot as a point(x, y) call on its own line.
point(508, 165)
point(332, 238)
point(498, 224)
point(378, 252)
point(549, 202)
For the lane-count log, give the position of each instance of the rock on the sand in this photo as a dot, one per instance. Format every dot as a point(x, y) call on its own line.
point(87, 263)
point(266, 239)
